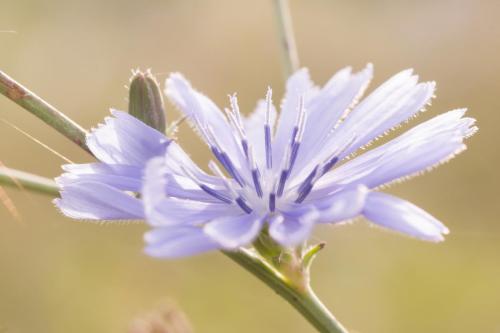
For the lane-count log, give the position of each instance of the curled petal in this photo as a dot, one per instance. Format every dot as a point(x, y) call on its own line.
point(289, 231)
point(234, 231)
point(404, 217)
point(343, 205)
point(177, 242)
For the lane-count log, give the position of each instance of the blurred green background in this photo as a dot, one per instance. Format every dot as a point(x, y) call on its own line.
point(58, 275)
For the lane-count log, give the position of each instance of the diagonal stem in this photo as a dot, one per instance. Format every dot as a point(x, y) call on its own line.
point(304, 301)
point(43, 110)
point(286, 37)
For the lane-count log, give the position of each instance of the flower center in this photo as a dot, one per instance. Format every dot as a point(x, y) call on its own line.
point(260, 188)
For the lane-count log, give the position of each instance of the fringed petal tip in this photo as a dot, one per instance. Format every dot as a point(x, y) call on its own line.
point(175, 83)
point(98, 201)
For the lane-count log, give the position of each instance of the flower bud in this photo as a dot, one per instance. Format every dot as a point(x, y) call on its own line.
point(146, 101)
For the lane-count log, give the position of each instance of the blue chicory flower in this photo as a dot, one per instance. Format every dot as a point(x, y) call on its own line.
point(289, 172)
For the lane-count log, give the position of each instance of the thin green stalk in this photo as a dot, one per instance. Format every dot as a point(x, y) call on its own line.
point(286, 37)
point(43, 110)
point(28, 181)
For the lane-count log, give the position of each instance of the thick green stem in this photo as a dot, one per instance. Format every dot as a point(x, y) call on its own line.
point(303, 300)
point(43, 110)
point(28, 181)
point(286, 37)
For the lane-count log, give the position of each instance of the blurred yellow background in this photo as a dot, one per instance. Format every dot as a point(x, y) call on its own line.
point(58, 275)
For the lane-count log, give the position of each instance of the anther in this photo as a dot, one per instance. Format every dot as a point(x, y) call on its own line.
point(243, 205)
point(255, 174)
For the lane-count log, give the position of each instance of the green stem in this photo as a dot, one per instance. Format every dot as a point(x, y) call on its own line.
point(304, 301)
point(43, 110)
point(286, 36)
point(28, 181)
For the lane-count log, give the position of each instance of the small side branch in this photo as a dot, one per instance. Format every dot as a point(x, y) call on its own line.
point(28, 181)
point(43, 110)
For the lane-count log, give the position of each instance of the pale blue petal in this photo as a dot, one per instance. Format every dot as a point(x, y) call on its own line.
point(341, 206)
point(420, 148)
point(402, 216)
point(395, 101)
point(232, 232)
point(326, 109)
point(177, 242)
point(124, 139)
point(392, 103)
point(123, 177)
point(96, 201)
